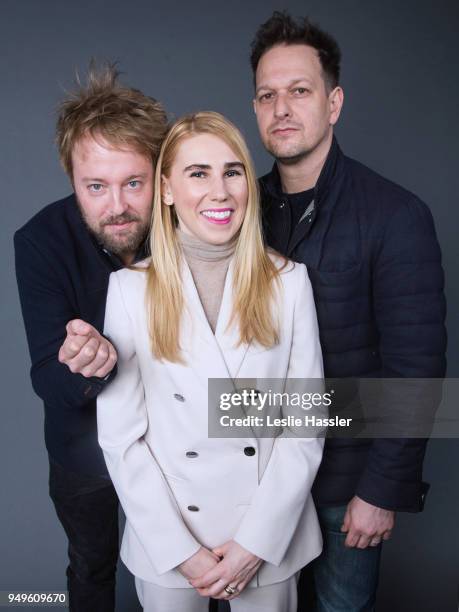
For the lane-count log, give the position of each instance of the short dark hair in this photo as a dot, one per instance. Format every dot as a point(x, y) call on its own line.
point(122, 115)
point(282, 29)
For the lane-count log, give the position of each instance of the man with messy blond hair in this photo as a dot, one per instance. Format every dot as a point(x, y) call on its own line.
point(108, 138)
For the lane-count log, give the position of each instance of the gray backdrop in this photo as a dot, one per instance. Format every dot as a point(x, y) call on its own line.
point(401, 96)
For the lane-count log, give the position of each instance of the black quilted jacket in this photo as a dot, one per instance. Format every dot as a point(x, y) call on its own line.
point(375, 267)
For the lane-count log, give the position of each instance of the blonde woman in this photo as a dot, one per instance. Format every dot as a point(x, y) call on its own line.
point(227, 518)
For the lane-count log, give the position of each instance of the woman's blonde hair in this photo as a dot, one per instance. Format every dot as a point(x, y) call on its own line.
point(254, 271)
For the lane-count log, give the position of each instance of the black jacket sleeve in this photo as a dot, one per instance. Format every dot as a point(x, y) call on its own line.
point(409, 308)
point(46, 309)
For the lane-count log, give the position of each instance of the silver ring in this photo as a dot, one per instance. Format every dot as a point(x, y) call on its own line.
point(230, 590)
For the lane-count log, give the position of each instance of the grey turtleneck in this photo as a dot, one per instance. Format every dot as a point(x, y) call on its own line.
point(209, 265)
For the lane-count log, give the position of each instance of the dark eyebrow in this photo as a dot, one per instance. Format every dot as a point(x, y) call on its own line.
point(235, 164)
point(198, 167)
point(291, 84)
point(302, 80)
point(261, 87)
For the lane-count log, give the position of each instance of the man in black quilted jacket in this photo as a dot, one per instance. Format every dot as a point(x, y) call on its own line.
point(375, 267)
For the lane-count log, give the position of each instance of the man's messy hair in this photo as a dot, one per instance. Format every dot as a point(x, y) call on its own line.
point(103, 108)
point(282, 29)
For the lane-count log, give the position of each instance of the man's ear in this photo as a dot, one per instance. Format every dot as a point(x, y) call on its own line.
point(336, 99)
point(166, 193)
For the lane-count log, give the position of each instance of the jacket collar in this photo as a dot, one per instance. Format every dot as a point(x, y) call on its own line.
point(271, 182)
point(228, 352)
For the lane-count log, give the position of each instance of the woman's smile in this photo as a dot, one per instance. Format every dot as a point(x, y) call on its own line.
point(220, 216)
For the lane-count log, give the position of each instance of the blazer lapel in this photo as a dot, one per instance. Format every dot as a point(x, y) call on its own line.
point(201, 349)
point(207, 355)
point(228, 337)
point(220, 351)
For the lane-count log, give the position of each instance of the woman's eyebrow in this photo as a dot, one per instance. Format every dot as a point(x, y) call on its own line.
point(198, 166)
point(233, 164)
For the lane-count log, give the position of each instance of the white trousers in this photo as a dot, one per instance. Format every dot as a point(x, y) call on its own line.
point(279, 597)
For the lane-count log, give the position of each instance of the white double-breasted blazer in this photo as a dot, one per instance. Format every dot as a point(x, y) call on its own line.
point(181, 489)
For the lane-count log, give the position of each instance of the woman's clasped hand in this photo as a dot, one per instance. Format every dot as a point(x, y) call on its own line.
point(222, 573)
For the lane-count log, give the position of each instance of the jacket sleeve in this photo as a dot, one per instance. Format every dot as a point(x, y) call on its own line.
point(276, 508)
point(46, 310)
point(409, 307)
point(122, 421)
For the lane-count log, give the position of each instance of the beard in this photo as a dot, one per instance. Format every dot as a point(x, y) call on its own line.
point(288, 155)
point(292, 159)
point(126, 242)
point(293, 151)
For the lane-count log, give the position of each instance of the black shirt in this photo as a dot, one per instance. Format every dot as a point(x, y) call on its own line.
point(299, 204)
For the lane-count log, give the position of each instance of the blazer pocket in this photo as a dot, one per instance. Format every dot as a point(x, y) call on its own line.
point(172, 478)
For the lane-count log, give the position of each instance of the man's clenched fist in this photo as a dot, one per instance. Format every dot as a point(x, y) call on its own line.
point(86, 352)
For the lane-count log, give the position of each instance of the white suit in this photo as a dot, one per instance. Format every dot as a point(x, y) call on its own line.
point(178, 487)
